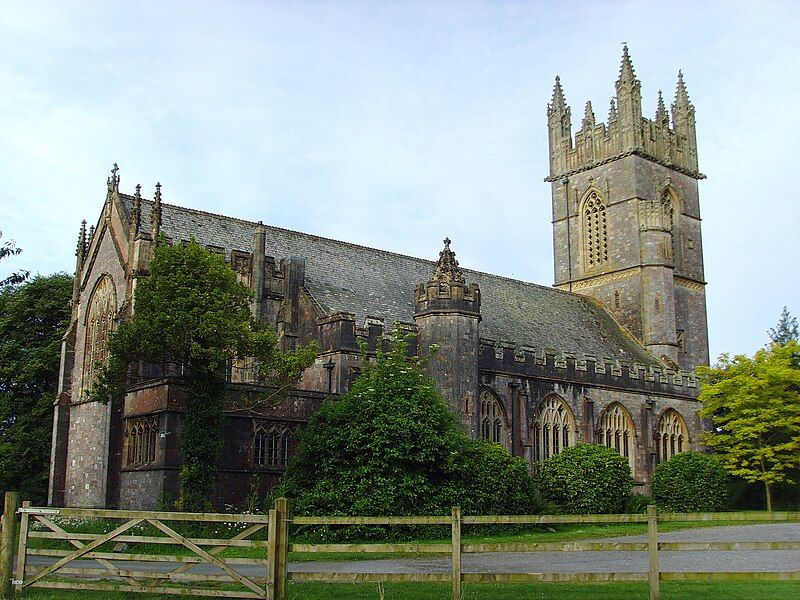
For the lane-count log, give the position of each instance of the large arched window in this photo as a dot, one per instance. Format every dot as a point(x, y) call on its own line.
point(99, 323)
point(553, 428)
point(492, 418)
point(616, 431)
point(595, 230)
point(141, 439)
point(672, 435)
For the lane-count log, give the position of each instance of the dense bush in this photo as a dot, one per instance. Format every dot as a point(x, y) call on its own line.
point(586, 479)
point(392, 446)
point(691, 482)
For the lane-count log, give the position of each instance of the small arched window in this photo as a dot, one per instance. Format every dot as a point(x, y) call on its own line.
point(99, 323)
point(595, 230)
point(553, 428)
point(673, 437)
point(616, 431)
point(492, 418)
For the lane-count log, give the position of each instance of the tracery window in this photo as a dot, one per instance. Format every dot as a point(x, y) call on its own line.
point(272, 444)
point(492, 419)
point(616, 431)
point(595, 230)
point(99, 323)
point(670, 223)
point(141, 441)
point(553, 428)
point(673, 437)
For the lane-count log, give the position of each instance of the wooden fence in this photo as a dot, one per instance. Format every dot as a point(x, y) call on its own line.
point(273, 584)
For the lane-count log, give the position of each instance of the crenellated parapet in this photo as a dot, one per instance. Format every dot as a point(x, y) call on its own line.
point(549, 363)
point(627, 132)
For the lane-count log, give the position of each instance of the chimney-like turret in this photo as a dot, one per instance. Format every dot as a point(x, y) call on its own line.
point(155, 215)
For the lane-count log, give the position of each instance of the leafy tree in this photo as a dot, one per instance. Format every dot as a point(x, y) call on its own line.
point(191, 311)
point(754, 404)
point(587, 479)
point(691, 482)
point(33, 317)
point(786, 329)
point(10, 249)
point(392, 446)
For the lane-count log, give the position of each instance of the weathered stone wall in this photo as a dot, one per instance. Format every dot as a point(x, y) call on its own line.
point(86, 478)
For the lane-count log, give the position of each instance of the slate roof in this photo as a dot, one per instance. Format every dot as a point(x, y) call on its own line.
point(347, 277)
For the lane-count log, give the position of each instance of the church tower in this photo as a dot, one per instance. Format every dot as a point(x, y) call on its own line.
point(626, 216)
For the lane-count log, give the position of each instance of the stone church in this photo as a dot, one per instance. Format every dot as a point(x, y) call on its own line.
point(605, 356)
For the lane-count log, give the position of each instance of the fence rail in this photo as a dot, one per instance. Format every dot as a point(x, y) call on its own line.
point(235, 577)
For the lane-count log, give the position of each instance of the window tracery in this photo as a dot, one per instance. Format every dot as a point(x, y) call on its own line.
point(672, 435)
point(272, 444)
point(99, 323)
point(553, 428)
point(141, 441)
point(492, 419)
point(595, 230)
point(616, 430)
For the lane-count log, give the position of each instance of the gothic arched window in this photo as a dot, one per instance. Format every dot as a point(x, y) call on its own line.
point(492, 419)
point(595, 230)
point(142, 439)
point(616, 431)
point(673, 437)
point(272, 444)
point(553, 428)
point(670, 221)
point(99, 323)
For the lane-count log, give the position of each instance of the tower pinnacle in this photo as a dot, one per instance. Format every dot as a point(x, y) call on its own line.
point(661, 112)
point(626, 72)
point(588, 117)
point(681, 96)
point(155, 215)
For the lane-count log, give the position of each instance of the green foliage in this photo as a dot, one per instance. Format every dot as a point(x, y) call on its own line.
point(392, 446)
point(586, 479)
point(10, 249)
point(786, 329)
point(33, 318)
point(191, 310)
point(754, 404)
point(638, 503)
point(691, 482)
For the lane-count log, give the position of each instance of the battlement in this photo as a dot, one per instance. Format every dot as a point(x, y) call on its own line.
point(548, 362)
point(670, 142)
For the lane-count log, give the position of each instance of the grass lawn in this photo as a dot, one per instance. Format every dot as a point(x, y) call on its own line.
point(549, 591)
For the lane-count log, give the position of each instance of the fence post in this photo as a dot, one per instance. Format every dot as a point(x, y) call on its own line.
point(652, 551)
point(282, 550)
point(22, 548)
point(456, 552)
point(10, 517)
point(272, 550)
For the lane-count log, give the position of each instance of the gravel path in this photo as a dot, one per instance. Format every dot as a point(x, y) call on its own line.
point(602, 561)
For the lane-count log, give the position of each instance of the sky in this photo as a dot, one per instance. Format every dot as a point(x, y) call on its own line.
point(393, 124)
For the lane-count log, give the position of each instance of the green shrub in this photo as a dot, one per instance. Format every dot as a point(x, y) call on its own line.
point(638, 503)
point(392, 446)
point(691, 482)
point(586, 479)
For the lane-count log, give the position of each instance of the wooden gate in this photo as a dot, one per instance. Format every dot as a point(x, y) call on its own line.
point(226, 555)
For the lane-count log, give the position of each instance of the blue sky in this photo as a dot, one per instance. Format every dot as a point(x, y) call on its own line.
point(393, 124)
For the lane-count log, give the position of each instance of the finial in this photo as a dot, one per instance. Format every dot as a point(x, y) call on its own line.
point(588, 117)
point(91, 233)
point(612, 111)
point(626, 72)
point(155, 213)
point(113, 181)
point(80, 251)
point(447, 269)
point(681, 95)
point(661, 112)
point(136, 210)
point(558, 102)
